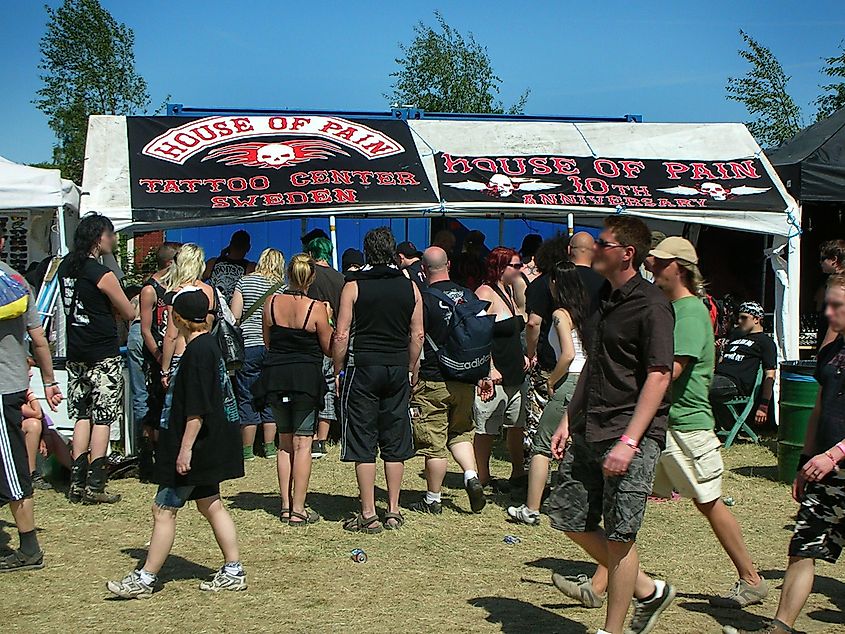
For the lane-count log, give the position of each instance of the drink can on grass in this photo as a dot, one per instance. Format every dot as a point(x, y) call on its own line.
point(359, 556)
point(511, 539)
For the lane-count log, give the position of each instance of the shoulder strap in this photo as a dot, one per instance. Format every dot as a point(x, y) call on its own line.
point(308, 314)
point(508, 301)
point(440, 295)
point(260, 301)
point(273, 311)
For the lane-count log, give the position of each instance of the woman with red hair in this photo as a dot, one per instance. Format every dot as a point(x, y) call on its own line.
point(507, 369)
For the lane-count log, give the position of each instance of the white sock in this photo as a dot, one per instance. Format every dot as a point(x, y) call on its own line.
point(147, 578)
point(469, 475)
point(233, 568)
point(659, 588)
point(431, 498)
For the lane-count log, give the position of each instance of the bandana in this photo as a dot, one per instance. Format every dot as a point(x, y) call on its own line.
point(752, 308)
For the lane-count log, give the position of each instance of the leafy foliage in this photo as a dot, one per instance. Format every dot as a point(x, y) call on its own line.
point(89, 68)
point(835, 97)
point(443, 71)
point(763, 92)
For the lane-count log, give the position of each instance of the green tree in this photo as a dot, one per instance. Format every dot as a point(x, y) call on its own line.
point(89, 68)
point(763, 92)
point(443, 71)
point(835, 97)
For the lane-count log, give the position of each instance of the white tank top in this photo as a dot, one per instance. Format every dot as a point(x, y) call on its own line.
point(580, 359)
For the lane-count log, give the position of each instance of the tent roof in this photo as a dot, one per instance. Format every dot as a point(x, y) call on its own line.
point(24, 187)
point(109, 185)
point(812, 163)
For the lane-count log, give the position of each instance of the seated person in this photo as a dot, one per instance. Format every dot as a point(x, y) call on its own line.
point(747, 348)
point(41, 438)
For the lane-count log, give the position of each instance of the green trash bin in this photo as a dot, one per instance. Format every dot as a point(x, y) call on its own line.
point(798, 391)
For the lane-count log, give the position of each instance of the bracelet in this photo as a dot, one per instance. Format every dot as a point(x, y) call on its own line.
point(627, 440)
point(841, 447)
point(832, 459)
point(53, 384)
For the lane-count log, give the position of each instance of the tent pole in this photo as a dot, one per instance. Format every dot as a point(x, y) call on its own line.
point(60, 215)
point(570, 224)
point(793, 308)
point(501, 228)
point(333, 232)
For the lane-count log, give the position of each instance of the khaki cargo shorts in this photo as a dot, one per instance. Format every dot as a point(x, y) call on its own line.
point(692, 465)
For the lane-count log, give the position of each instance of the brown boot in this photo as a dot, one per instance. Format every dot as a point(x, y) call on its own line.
point(78, 478)
point(95, 490)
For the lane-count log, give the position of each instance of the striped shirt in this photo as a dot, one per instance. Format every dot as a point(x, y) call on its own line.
point(252, 287)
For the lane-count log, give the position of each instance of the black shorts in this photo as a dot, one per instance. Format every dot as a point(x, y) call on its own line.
point(374, 414)
point(15, 479)
point(820, 524)
point(584, 495)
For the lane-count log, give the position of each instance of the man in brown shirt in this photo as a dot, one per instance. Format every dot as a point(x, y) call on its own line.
point(619, 415)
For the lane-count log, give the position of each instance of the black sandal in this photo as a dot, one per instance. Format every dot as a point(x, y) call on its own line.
point(282, 518)
point(360, 524)
point(305, 519)
point(396, 517)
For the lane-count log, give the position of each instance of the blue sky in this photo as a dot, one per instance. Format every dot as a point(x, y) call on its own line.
point(666, 61)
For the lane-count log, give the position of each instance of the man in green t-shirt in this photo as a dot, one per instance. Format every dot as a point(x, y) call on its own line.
point(692, 464)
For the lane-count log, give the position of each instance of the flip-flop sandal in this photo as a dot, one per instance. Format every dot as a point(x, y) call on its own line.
point(284, 516)
point(398, 518)
point(360, 524)
point(305, 519)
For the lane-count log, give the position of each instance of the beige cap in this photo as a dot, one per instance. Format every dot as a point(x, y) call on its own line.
point(675, 248)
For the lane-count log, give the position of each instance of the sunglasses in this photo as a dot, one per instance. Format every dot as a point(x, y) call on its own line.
point(516, 266)
point(601, 243)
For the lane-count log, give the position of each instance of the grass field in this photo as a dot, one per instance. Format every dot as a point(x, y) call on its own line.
point(451, 573)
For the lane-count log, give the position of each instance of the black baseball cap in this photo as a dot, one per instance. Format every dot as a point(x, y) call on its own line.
point(408, 249)
point(350, 258)
point(314, 233)
point(191, 304)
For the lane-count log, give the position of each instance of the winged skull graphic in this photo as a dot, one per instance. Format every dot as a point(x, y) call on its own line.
point(502, 186)
point(715, 191)
point(274, 155)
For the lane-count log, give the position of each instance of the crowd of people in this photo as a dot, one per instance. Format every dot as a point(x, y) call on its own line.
point(563, 347)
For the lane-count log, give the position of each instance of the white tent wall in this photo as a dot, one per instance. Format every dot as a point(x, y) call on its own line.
point(107, 182)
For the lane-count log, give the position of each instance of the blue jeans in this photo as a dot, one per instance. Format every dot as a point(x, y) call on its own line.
point(244, 378)
point(137, 377)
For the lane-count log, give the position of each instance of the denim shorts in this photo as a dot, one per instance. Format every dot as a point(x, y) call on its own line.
point(177, 497)
point(244, 378)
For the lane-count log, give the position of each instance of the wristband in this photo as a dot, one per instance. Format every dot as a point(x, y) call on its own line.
point(832, 459)
point(841, 447)
point(627, 440)
point(53, 384)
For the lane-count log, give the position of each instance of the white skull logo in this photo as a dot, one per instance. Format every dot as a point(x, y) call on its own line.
point(276, 154)
point(714, 190)
point(500, 185)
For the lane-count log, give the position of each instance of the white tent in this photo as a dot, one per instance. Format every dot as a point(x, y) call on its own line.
point(41, 195)
point(666, 167)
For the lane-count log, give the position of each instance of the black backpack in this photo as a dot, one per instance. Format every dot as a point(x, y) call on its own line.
point(465, 355)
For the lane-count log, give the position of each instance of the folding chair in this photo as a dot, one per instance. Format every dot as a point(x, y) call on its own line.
point(740, 409)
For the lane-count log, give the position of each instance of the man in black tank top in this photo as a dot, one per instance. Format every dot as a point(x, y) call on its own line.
point(382, 310)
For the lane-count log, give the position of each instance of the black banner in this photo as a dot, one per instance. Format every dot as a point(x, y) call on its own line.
point(214, 166)
point(741, 184)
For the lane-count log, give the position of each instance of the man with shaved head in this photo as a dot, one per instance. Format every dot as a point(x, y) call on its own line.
point(581, 250)
point(442, 408)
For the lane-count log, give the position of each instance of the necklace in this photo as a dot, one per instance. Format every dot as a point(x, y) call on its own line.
point(296, 293)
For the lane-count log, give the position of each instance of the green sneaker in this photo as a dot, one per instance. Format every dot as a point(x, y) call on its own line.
point(270, 450)
point(248, 455)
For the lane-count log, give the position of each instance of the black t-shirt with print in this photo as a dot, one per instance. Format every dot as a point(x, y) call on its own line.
point(202, 388)
point(436, 317)
point(742, 358)
point(91, 325)
point(830, 373)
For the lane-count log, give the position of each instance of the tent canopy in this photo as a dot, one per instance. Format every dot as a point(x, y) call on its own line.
point(24, 187)
point(812, 163)
point(160, 172)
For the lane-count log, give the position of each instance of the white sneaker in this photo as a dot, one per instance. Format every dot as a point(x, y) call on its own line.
point(524, 515)
point(130, 587)
point(224, 581)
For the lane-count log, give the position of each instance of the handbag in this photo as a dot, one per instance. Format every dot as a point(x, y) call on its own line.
point(229, 337)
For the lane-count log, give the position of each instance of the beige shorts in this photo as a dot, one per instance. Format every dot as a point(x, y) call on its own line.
point(692, 465)
point(507, 409)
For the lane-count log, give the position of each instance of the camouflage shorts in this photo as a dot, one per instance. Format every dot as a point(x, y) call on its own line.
point(820, 525)
point(584, 495)
point(95, 391)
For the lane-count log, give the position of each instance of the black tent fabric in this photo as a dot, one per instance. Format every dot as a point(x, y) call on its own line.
point(812, 163)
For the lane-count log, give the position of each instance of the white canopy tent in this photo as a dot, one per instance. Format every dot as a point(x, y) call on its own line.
point(110, 185)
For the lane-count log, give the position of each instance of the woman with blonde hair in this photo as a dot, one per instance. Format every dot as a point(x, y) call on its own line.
point(247, 301)
point(297, 335)
point(188, 265)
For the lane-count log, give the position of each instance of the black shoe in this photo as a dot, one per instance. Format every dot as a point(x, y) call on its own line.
point(475, 491)
point(95, 489)
point(78, 478)
point(318, 449)
point(38, 482)
point(646, 613)
point(435, 508)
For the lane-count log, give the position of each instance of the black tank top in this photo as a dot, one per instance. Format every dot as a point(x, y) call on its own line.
point(296, 345)
point(382, 317)
point(417, 275)
point(507, 344)
point(159, 312)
